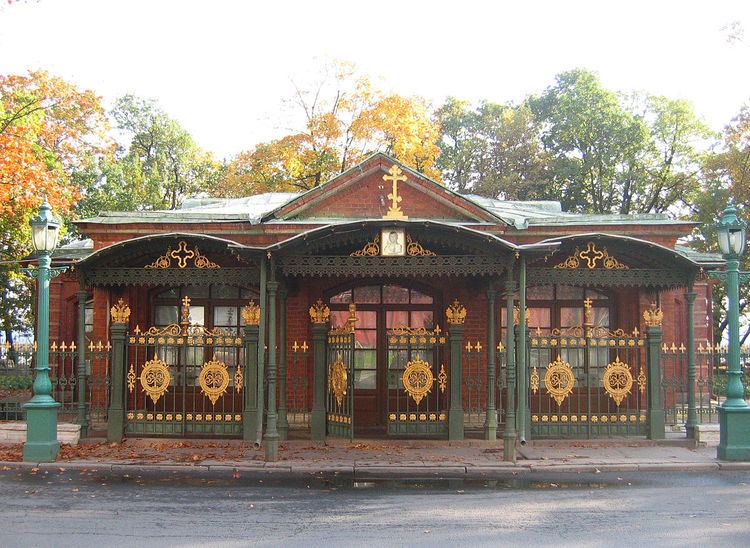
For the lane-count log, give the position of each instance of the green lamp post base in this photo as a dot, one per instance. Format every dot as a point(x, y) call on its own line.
point(734, 442)
point(41, 432)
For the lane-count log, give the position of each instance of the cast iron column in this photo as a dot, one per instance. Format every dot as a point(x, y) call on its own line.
point(490, 424)
point(272, 435)
point(250, 396)
point(283, 420)
point(261, 372)
point(456, 410)
point(523, 389)
point(116, 414)
point(692, 418)
point(81, 366)
point(318, 417)
point(653, 355)
point(509, 433)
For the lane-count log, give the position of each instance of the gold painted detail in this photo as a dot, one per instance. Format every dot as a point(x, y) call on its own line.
point(618, 380)
point(192, 335)
point(592, 256)
point(641, 381)
point(120, 312)
point(182, 255)
point(239, 379)
point(251, 313)
point(155, 379)
point(394, 211)
point(517, 316)
point(534, 380)
point(338, 379)
point(214, 379)
point(413, 248)
point(418, 379)
point(456, 313)
point(442, 379)
point(559, 380)
point(653, 316)
point(131, 379)
point(319, 312)
point(370, 249)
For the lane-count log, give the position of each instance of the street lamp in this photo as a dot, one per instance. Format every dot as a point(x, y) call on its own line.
point(734, 413)
point(42, 444)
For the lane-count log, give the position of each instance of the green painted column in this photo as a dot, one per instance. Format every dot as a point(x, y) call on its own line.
point(653, 360)
point(490, 422)
point(83, 296)
point(510, 433)
point(522, 335)
point(271, 438)
point(456, 410)
point(116, 414)
point(692, 418)
point(250, 395)
point(261, 371)
point(283, 419)
point(318, 416)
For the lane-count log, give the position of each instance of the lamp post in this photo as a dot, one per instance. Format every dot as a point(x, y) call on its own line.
point(734, 413)
point(41, 410)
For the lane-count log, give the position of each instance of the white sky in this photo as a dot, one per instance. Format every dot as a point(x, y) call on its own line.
point(221, 68)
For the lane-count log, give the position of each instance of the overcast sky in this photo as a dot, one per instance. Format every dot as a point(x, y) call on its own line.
point(221, 67)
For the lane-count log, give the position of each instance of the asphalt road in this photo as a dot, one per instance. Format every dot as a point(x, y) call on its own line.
point(626, 509)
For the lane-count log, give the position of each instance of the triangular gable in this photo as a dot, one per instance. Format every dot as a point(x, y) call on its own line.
point(362, 193)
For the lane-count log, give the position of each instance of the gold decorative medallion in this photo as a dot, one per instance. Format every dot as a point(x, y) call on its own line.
point(214, 379)
point(394, 211)
point(338, 379)
point(120, 312)
point(131, 379)
point(319, 312)
point(418, 379)
point(641, 381)
point(155, 379)
point(534, 380)
point(239, 379)
point(617, 380)
point(442, 379)
point(559, 380)
point(251, 313)
point(182, 254)
point(456, 313)
point(653, 316)
point(591, 255)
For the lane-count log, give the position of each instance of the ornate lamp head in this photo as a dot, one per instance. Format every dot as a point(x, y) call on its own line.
point(45, 229)
point(731, 232)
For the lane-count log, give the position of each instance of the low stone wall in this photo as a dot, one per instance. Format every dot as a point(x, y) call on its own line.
point(15, 432)
point(707, 433)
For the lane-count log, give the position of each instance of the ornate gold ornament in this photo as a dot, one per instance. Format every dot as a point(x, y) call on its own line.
point(120, 312)
point(394, 211)
point(239, 379)
point(131, 379)
point(534, 380)
point(370, 249)
point(413, 248)
point(456, 313)
point(517, 316)
point(641, 381)
point(653, 316)
point(418, 379)
point(155, 379)
point(617, 380)
point(182, 255)
point(251, 313)
point(319, 312)
point(442, 379)
point(338, 379)
point(559, 380)
point(591, 255)
point(214, 379)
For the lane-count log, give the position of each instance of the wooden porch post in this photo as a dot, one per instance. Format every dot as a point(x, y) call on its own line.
point(509, 433)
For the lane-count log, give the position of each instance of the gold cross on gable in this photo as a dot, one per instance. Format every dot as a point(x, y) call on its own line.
point(182, 254)
point(394, 211)
point(591, 255)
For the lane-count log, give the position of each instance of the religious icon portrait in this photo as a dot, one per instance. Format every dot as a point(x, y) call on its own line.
point(393, 242)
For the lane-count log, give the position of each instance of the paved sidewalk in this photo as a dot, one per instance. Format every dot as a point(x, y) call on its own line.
point(377, 459)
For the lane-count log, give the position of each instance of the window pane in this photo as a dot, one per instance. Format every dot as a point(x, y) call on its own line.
point(365, 359)
point(365, 379)
point(366, 319)
point(171, 293)
point(225, 316)
point(396, 318)
point(367, 295)
point(224, 292)
point(197, 315)
point(200, 292)
point(569, 292)
point(420, 298)
point(89, 321)
point(600, 316)
point(571, 317)
point(597, 295)
point(166, 315)
point(366, 338)
point(248, 294)
point(540, 293)
point(422, 318)
point(540, 317)
point(339, 318)
point(344, 297)
point(395, 294)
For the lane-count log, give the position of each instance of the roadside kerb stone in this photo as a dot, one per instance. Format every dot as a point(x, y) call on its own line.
point(410, 472)
point(678, 466)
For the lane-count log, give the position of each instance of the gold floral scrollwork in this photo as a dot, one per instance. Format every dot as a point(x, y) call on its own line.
point(617, 380)
point(653, 316)
point(442, 379)
point(120, 312)
point(418, 379)
point(182, 254)
point(338, 379)
point(214, 379)
point(370, 249)
point(559, 380)
point(641, 381)
point(456, 313)
point(155, 379)
point(591, 256)
point(415, 249)
point(239, 379)
point(131, 379)
point(319, 312)
point(534, 380)
point(251, 313)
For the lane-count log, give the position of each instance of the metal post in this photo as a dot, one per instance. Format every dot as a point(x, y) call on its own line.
point(655, 405)
point(261, 373)
point(490, 422)
point(250, 407)
point(116, 413)
point(456, 410)
point(692, 418)
point(510, 433)
point(318, 417)
point(283, 420)
point(523, 389)
point(83, 296)
point(271, 438)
